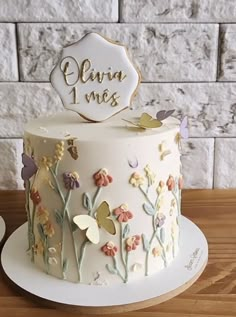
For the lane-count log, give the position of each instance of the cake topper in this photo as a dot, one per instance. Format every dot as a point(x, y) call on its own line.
point(95, 77)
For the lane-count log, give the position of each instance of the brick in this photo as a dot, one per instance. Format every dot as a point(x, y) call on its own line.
point(8, 56)
point(10, 164)
point(225, 163)
point(163, 52)
point(178, 11)
point(59, 11)
point(198, 161)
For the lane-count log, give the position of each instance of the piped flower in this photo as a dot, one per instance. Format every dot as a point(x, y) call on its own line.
point(136, 179)
point(48, 229)
point(46, 162)
point(35, 197)
point(29, 168)
point(160, 220)
point(109, 249)
point(102, 178)
point(132, 242)
point(123, 214)
point(59, 152)
point(150, 175)
point(160, 187)
point(71, 180)
point(42, 215)
point(181, 183)
point(156, 251)
point(170, 183)
point(38, 248)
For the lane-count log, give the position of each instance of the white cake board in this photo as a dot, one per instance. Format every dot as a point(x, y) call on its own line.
point(151, 290)
point(2, 229)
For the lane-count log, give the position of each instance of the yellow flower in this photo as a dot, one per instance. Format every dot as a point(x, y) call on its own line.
point(174, 228)
point(46, 162)
point(150, 175)
point(38, 247)
point(136, 179)
point(160, 187)
point(42, 215)
point(156, 251)
point(59, 152)
point(48, 229)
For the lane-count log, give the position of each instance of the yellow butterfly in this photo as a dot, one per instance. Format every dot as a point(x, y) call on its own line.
point(92, 225)
point(146, 122)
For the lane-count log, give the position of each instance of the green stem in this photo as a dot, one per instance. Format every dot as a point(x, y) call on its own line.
point(67, 199)
point(27, 192)
point(177, 202)
point(82, 250)
point(32, 234)
point(117, 269)
point(46, 254)
point(98, 191)
point(67, 214)
point(173, 246)
point(121, 244)
point(126, 267)
point(146, 263)
point(163, 249)
point(146, 196)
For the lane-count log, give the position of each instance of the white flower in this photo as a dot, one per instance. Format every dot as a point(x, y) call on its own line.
point(52, 260)
point(52, 250)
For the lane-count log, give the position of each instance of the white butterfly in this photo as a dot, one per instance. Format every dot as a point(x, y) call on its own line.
point(93, 224)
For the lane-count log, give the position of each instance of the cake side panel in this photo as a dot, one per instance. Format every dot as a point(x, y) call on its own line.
point(124, 195)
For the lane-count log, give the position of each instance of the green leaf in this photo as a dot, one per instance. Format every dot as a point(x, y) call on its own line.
point(73, 226)
point(65, 265)
point(40, 230)
point(126, 231)
point(111, 269)
point(162, 235)
point(87, 203)
point(146, 245)
point(58, 217)
point(148, 209)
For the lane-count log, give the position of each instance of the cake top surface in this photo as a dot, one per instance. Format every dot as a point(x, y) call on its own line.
point(68, 124)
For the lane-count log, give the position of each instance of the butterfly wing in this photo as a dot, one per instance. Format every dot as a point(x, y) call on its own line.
point(148, 122)
point(184, 128)
point(103, 212)
point(87, 222)
point(163, 114)
point(29, 168)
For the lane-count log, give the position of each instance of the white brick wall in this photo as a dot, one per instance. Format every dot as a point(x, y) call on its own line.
point(186, 52)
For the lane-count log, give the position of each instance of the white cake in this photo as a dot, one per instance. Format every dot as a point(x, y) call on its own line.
point(126, 180)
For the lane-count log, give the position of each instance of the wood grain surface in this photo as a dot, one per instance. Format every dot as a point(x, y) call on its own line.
point(213, 295)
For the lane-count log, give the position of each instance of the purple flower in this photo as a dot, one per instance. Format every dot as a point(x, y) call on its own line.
point(29, 168)
point(160, 219)
point(71, 180)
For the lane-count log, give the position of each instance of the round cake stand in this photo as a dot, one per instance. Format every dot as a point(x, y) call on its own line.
point(171, 281)
point(2, 229)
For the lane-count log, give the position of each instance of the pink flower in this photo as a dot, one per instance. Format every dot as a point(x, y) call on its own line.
point(35, 197)
point(132, 242)
point(170, 183)
point(122, 213)
point(102, 178)
point(181, 183)
point(109, 249)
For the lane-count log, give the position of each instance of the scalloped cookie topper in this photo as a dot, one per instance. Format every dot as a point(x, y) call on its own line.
point(95, 77)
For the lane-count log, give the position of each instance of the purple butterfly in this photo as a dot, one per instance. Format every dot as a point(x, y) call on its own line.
point(29, 168)
point(133, 162)
point(163, 114)
point(184, 128)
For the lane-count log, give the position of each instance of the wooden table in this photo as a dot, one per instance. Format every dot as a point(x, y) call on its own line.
point(214, 294)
